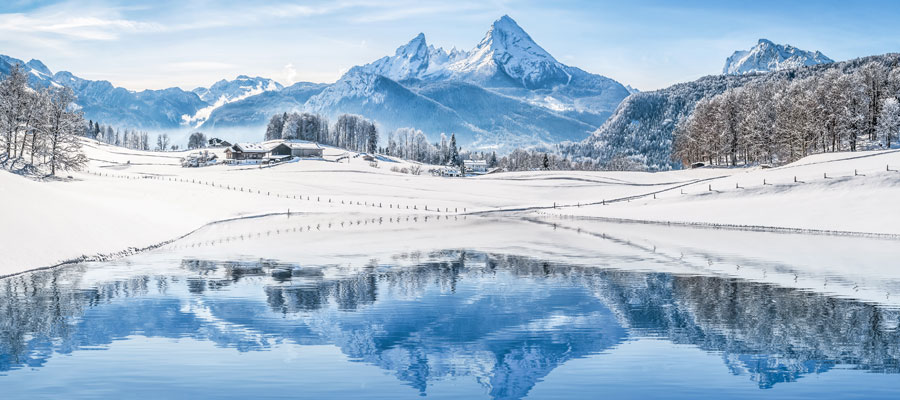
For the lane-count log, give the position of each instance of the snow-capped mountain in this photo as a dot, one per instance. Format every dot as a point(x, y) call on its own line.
point(513, 73)
point(414, 60)
point(767, 56)
point(101, 101)
point(241, 87)
point(507, 91)
point(508, 56)
point(224, 92)
point(255, 111)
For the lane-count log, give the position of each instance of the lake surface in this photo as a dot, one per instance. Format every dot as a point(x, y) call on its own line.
point(231, 321)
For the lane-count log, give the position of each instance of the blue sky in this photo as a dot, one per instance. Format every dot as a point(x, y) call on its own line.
point(647, 44)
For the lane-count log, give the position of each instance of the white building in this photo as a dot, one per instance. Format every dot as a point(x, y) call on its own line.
point(475, 166)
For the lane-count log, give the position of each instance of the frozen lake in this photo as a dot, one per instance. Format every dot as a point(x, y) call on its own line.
point(461, 308)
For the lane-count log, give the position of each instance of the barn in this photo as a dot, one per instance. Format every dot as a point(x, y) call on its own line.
point(305, 149)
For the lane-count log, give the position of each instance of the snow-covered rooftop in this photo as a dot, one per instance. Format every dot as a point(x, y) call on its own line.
point(256, 147)
point(303, 145)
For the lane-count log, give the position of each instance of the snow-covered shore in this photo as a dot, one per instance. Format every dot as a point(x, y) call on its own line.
point(132, 199)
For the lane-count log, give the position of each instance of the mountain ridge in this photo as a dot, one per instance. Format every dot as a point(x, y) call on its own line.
point(768, 56)
point(551, 101)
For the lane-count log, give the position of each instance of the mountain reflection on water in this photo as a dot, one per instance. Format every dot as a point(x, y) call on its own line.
point(505, 321)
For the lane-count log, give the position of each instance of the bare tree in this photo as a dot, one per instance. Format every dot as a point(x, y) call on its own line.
point(162, 142)
point(64, 147)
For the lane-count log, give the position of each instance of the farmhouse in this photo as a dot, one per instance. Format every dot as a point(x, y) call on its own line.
point(475, 166)
point(246, 151)
point(273, 150)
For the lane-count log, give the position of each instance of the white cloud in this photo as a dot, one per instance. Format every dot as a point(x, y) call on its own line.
point(290, 74)
point(64, 25)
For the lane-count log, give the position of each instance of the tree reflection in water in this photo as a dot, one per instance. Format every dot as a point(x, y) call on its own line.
point(506, 321)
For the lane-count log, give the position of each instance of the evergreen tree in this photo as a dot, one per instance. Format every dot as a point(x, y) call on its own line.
point(372, 138)
point(453, 157)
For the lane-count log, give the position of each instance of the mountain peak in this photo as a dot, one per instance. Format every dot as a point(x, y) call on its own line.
point(506, 35)
point(769, 56)
point(411, 60)
point(508, 53)
point(414, 47)
point(505, 23)
point(37, 65)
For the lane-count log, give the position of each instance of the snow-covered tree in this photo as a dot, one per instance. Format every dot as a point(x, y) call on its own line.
point(64, 125)
point(162, 142)
point(889, 122)
point(372, 138)
point(276, 124)
point(14, 101)
point(453, 154)
point(196, 140)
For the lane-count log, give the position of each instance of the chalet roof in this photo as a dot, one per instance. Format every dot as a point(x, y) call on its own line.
point(264, 147)
point(303, 145)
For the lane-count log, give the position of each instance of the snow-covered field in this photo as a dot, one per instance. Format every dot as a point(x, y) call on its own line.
point(133, 199)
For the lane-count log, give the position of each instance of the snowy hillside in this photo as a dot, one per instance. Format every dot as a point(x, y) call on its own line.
point(767, 56)
point(97, 211)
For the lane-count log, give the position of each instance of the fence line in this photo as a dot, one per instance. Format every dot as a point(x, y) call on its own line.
point(259, 191)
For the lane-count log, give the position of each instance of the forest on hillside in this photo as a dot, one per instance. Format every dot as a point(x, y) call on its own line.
point(777, 121)
point(788, 112)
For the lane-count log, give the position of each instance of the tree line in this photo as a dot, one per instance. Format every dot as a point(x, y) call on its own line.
point(128, 138)
point(351, 132)
point(40, 127)
point(356, 133)
point(780, 120)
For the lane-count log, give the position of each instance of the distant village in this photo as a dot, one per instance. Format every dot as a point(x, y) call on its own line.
point(279, 151)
